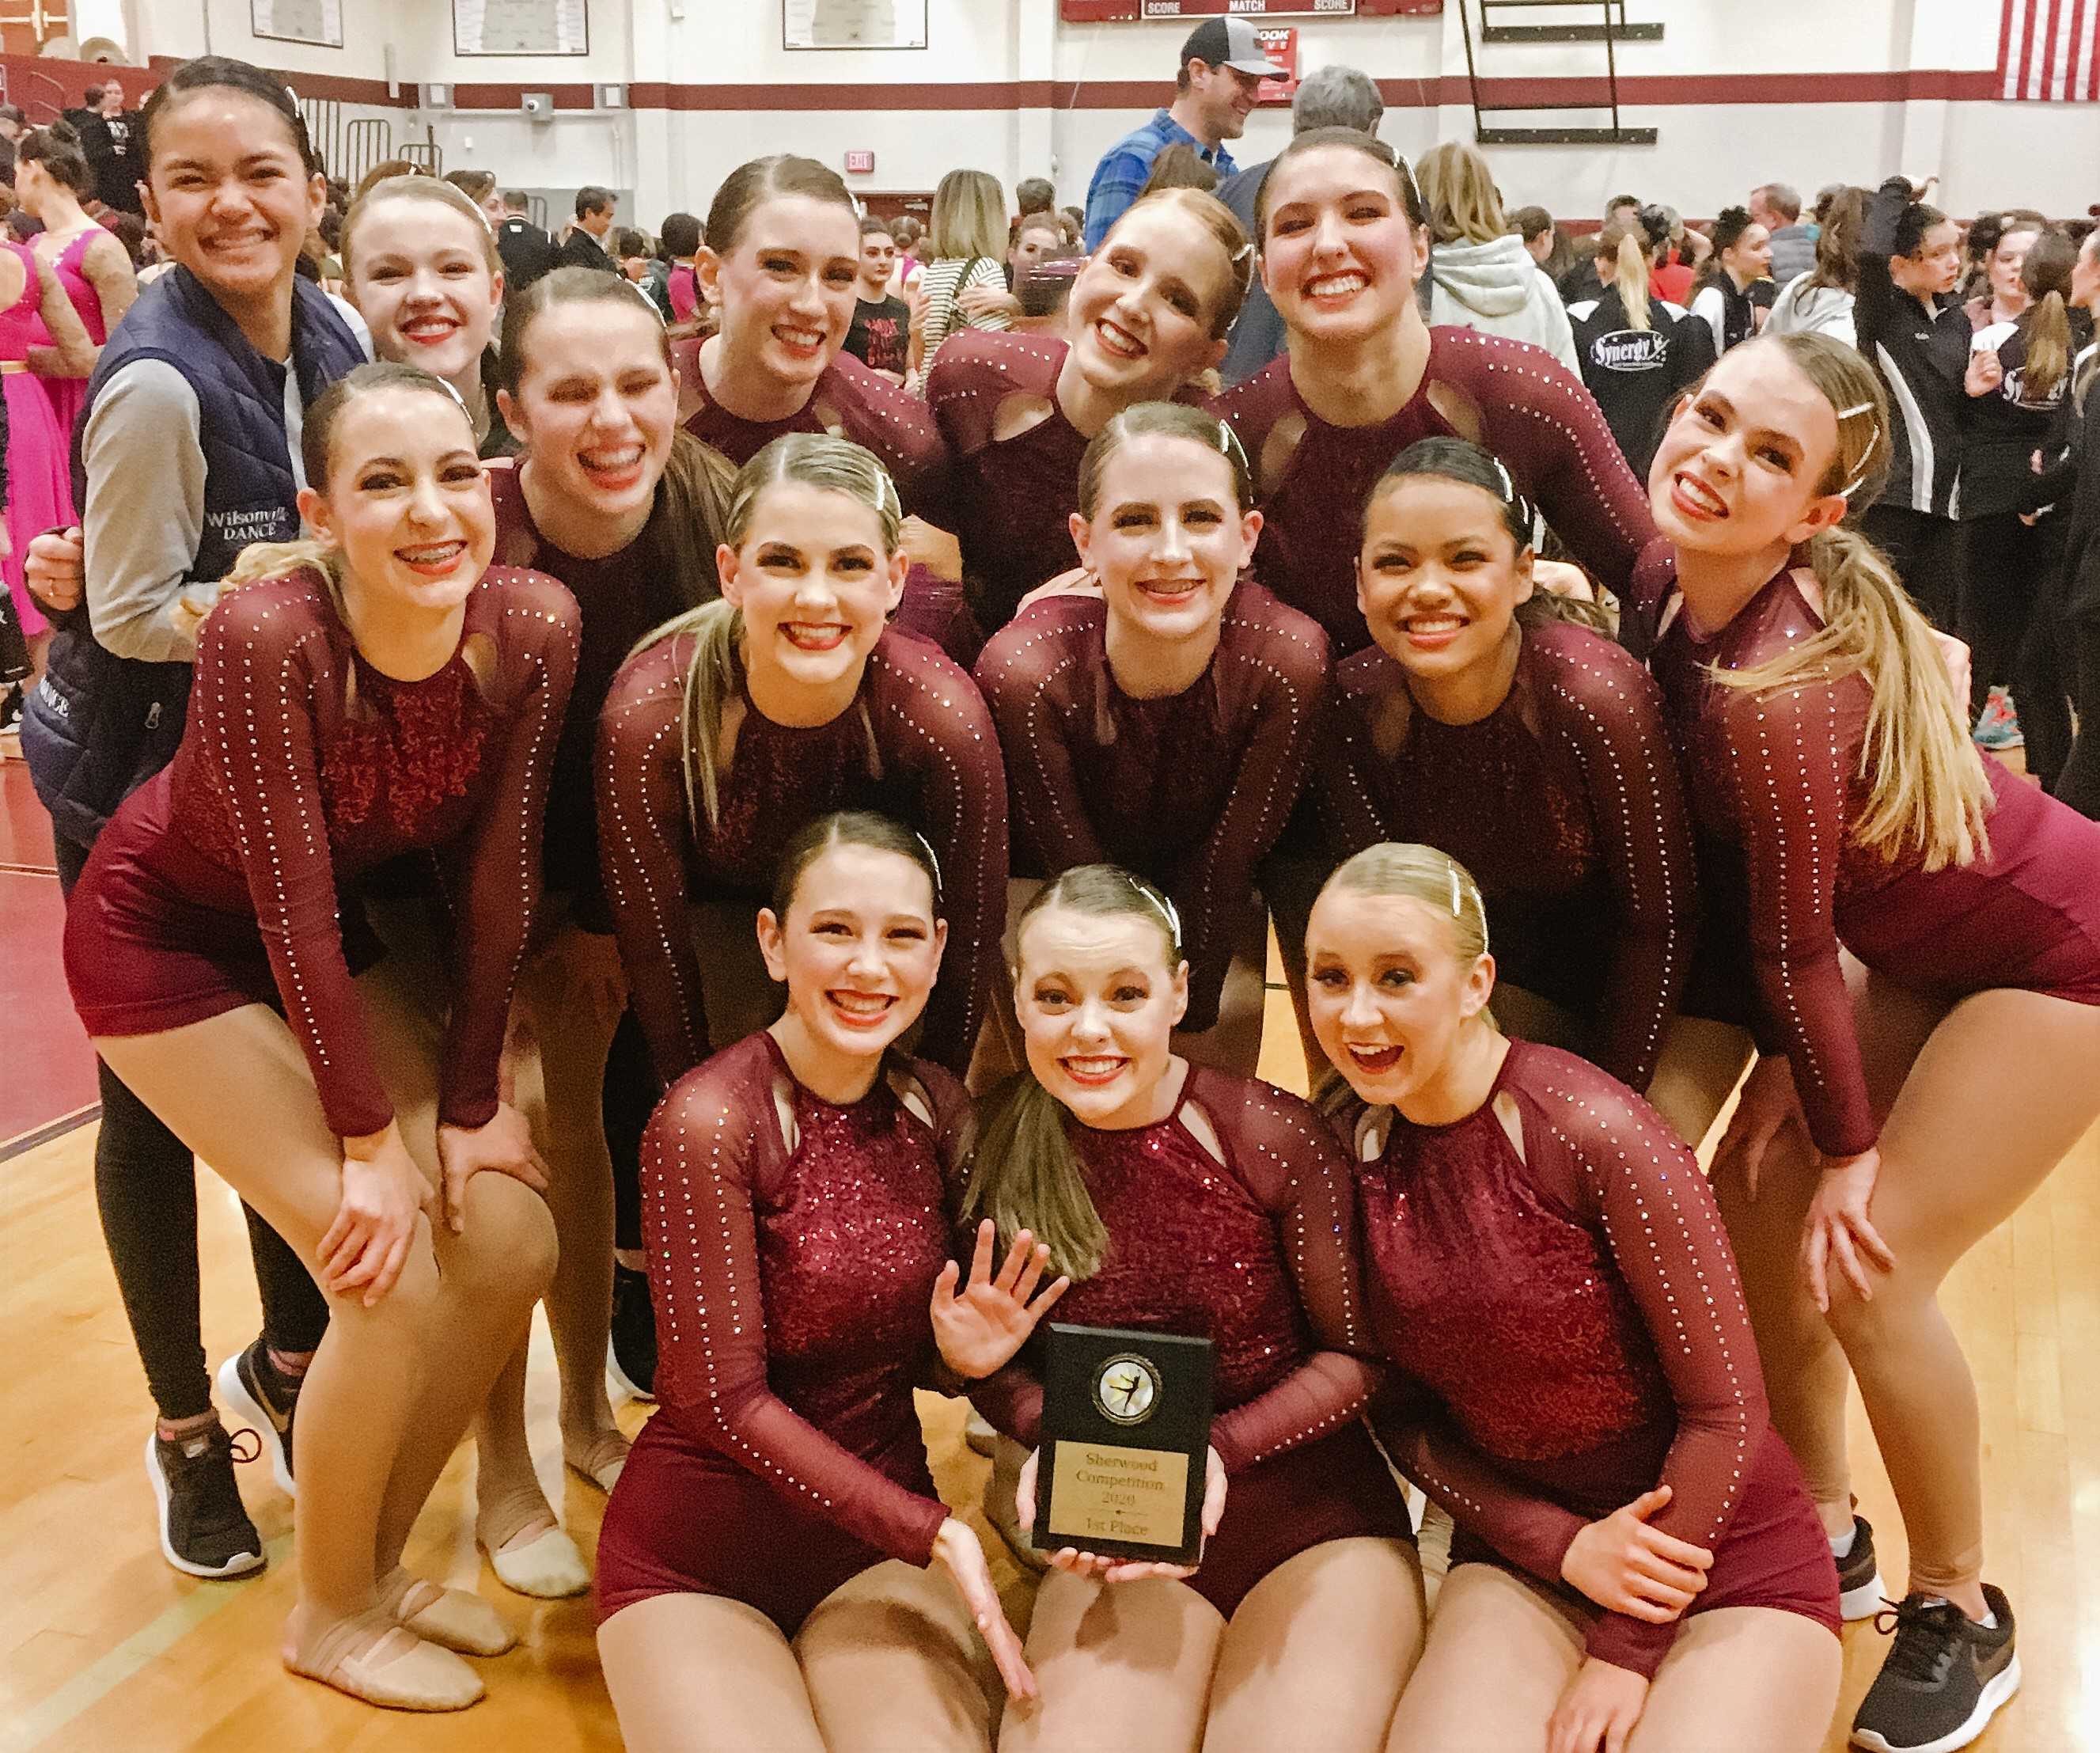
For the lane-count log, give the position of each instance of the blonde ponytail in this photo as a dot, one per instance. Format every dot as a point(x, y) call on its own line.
point(1629, 270)
point(2048, 347)
point(1928, 795)
point(262, 560)
point(716, 631)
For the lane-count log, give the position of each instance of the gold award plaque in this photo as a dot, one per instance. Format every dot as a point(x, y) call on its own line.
point(1103, 1492)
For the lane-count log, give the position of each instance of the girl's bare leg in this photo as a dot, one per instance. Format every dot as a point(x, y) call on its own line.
point(1316, 1655)
point(1122, 1666)
point(1742, 1680)
point(891, 1659)
point(1500, 1654)
point(704, 1674)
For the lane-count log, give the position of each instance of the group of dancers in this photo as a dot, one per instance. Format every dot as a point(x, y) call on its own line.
point(990, 730)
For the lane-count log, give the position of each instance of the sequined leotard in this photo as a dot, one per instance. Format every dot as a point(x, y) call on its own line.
point(1573, 1312)
point(1189, 790)
point(1776, 782)
point(917, 744)
point(1534, 413)
point(1565, 804)
point(1253, 1251)
point(302, 767)
point(791, 1282)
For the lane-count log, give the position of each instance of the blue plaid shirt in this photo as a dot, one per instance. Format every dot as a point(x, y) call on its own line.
point(1125, 165)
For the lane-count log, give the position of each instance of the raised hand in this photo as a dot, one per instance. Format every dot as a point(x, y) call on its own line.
point(980, 1327)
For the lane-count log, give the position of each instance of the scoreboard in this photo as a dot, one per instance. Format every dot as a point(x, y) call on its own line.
point(1122, 11)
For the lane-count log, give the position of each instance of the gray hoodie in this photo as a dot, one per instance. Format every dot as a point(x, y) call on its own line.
point(1498, 290)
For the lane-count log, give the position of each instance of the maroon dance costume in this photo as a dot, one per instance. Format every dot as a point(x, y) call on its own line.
point(301, 768)
point(1254, 1253)
point(792, 1286)
point(621, 601)
point(1534, 414)
point(1573, 1312)
point(1775, 782)
point(1189, 790)
point(852, 402)
point(1014, 497)
point(1565, 804)
point(917, 744)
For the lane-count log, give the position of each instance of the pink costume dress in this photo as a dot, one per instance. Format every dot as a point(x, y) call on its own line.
point(1189, 790)
point(1534, 414)
point(217, 883)
point(1256, 1254)
point(39, 467)
point(69, 393)
point(852, 402)
point(1563, 802)
point(917, 744)
point(1775, 782)
point(792, 1284)
point(1571, 1318)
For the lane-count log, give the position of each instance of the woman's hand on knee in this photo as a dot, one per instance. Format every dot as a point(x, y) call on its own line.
point(1598, 1711)
point(1841, 1234)
point(1770, 1104)
point(1626, 1567)
point(957, 1547)
point(502, 1146)
point(980, 1327)
point(383, 1192)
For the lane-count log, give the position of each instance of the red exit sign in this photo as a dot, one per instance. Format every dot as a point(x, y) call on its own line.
point(860, 164)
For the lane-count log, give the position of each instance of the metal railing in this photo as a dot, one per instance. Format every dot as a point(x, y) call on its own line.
point(1608, 32)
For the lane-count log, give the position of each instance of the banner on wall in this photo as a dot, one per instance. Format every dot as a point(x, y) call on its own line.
point(2049, 52)
point(1279, 42)
point(1126, 11)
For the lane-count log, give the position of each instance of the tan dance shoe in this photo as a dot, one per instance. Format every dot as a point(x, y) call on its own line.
point(395, 1669)
point(455, 1617)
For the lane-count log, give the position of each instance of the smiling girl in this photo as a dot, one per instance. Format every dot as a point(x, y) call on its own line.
point(1148, 313)
point(1183, 1200)
point(1166, 724)
point(781, 270)
point(420, 264)
point(733, 725)
point(1344, 238)
point(1921, 934)
point(1534, 751)
point(190, 447)
point(1635, 1563)
point(374, 695)
point(613, 500)
point(764, 1567)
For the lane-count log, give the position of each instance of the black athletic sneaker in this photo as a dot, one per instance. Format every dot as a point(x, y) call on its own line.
point(1859, 1594)
point(204, 1531)
point(255, 1389)
point(1944, 1678)
point(630, 1360)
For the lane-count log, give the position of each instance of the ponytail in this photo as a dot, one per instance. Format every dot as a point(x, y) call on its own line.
point(1928, 795)
point(260, 560)
point(1630, 277)
point(1027, 1175)
point(2048, 347)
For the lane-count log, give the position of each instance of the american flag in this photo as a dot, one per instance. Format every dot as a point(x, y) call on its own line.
point(2047, 50)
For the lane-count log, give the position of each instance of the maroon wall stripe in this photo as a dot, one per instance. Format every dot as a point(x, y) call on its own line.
point(1646, 91)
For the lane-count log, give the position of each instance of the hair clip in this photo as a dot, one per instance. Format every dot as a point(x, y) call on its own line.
point(1161, 904)
point(1856, 410)
point(1451, 871)
point(1229, 445)
point(933, 858)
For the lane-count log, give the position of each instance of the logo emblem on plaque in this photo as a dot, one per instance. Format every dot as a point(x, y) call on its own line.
point(1126, 1388)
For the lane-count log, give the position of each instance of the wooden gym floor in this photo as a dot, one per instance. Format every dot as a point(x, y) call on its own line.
point(104, 1648)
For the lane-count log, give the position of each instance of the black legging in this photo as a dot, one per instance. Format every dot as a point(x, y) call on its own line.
point(2078, 642)
point(145, 1190)
point(1926, 553)
point(631, 1094)
point(2042, 679)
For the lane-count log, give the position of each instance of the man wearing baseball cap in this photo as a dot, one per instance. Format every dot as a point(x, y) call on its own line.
point(1222, 64)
